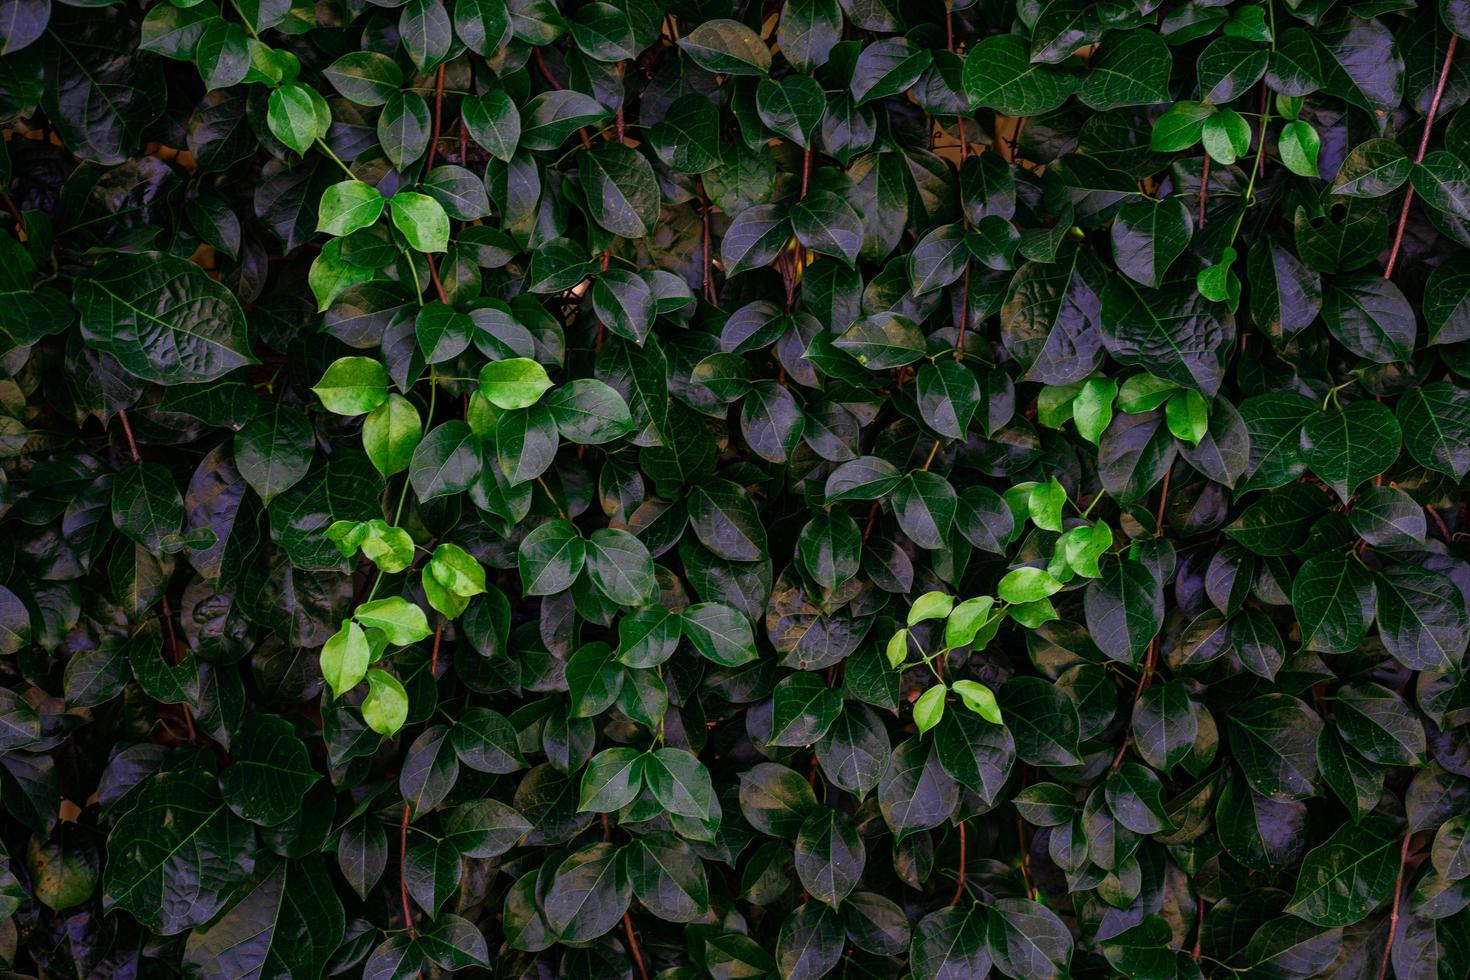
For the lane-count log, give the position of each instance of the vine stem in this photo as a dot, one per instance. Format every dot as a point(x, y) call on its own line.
point(1199, 926)
point(1398, 237)
point(1025, 858)
point(1143, 682)
point(434, 656)
point(1398, 882)
point(127, 427)
point(434, 275)
point(1163, 499)
point(402, 878)
point(551, 80)
point(633, 946)
point(438, 110)
point(1204, 185)
point(959, 884)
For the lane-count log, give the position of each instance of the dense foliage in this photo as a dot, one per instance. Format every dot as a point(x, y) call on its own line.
point(837, 486)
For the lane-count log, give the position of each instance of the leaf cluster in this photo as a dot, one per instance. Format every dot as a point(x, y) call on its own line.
point(862, 488)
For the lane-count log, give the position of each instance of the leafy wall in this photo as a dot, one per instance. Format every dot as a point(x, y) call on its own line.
point(852, 487)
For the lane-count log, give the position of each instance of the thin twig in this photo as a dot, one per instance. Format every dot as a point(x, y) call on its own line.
point(1163, 499)
point(1025, 858)
point(959, 884)
point(1398, 883)
point(174, 657)
point(434, 275)
point(1444, 74)
point(402, 877)
point(551, 80)
point(1204, 184)
point(20, 223)
point(633, 946)
point(959, 340)
point(122, 416)
point(438, 110)
point(434, 656)
point(1199, 926)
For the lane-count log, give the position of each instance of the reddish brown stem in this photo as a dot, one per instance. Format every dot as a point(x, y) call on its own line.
point(1444, 532)
point(1204, 185)
point(959, 340)
point(434, 275)
point(438, 112)
point(1163, 500)
point(122, 416)
point(959, 884)
point(551, 80)
point(434, 655)
point(806, 170)
point(1199, 926)
point(402, 876)
point(1025, 858)
point(1398, 237)
point(1143, 682)
point(872, 521)
point(20, 223)
point(1398, 883)
point(709, 282)
point(633, 947)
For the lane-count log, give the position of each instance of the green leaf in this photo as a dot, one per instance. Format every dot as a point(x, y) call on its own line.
point(298, 116)
point(345, 658)
point(386, 706)
point(353, 386)
point(929, 708)
point(719, 632)
point(1374, 168)
point(1148, 236)
point(1298, 144)
point(286, 917)
point(421, 219)
point(678, 781)
point(1027, 585)
point(178, 839)
point(551, 557)
point(622, 192)
point(1274, 740)
point(1130, 68)
point(401, 621)
point(999, 75)
point(163, 319)
point(1435, 421)
point(391, 433)
point(518, 382)
point(146, 505)
point(611, 780)
point(1226, 136)
point(826, 223)
point(1349, 447)
point(1345, 878)
point(979, 699)
point(1125, 609)
point(349, 206)
point(493, 121)
point(269, 772)
point(726, 47)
